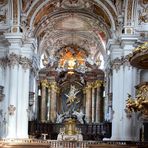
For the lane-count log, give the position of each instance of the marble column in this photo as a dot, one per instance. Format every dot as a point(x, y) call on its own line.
point(53, 101)
point(93, 104)
point(6, 99)
point(32, 95)
point(117, 103)
point(12, 120)
point(2, 124)
point(88, 110)
point(98, 99)
point(127, 122)
point(23, 97)
point(122, 84)
point(43, 103)
point(25, 100)
point(20, 114)
point(48, 105)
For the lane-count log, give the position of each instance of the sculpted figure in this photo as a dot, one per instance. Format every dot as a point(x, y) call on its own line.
point(72, 100)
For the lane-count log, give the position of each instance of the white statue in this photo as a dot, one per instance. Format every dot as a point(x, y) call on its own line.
point(80, 116)
point(71, 97)
point(60, 118)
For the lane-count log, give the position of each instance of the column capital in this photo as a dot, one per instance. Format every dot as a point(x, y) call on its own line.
point(14, 59)
point(25, 62)
point(3, 62)
point(118, 62)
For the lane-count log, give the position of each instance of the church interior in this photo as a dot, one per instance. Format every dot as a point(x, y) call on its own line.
point(74, 73)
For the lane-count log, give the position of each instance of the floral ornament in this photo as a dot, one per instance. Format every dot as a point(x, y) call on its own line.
point(11, 109)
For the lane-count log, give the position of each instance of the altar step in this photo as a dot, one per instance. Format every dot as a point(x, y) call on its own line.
point(36, 143)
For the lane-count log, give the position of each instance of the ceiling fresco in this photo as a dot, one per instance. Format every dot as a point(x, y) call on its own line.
point(59, 23)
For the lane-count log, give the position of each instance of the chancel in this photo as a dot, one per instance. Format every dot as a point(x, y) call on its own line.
point(73, 73)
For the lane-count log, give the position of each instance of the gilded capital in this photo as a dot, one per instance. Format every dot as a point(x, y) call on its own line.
point(54, 87)
point(45, 83)
point(97, 83)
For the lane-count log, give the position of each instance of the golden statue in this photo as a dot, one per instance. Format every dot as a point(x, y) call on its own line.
point(140, 103)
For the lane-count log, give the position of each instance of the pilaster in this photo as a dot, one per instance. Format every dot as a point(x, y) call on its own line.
point(18, 68)
point(53, 113)
point(43, 103)
point(88, 109)
point(122, 74)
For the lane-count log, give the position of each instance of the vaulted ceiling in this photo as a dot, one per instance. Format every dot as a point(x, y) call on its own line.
point(59, 23)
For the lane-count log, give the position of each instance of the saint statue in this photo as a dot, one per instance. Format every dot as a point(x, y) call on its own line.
point(72, 100)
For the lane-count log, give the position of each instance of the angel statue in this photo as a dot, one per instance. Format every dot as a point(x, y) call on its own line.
point(72, 100)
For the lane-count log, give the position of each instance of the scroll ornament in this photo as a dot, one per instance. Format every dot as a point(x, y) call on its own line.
point(140, 102)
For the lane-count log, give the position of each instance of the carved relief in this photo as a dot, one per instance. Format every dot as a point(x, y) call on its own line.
point(143, 12)
point(3, 62)
point(118, 5)
point(3, 11)
point(129, 11)
point(25, 62)
point(14, 59)
point(118, 62)
point(26, 4)
point(11, 109)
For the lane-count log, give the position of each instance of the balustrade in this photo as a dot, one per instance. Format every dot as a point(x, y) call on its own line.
point(89, 131)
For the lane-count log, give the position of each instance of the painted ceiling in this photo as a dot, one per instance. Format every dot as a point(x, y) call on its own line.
point(59, 23)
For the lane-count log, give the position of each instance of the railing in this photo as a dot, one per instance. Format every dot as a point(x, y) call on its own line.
point(72, 144)
point(89, 131)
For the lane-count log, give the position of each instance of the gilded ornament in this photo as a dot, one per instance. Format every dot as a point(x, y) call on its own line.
point(143, 13)
point(140, 102)
point(45, 83)
point(139, 56)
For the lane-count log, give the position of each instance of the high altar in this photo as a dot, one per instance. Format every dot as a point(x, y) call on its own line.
point(73, 70)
